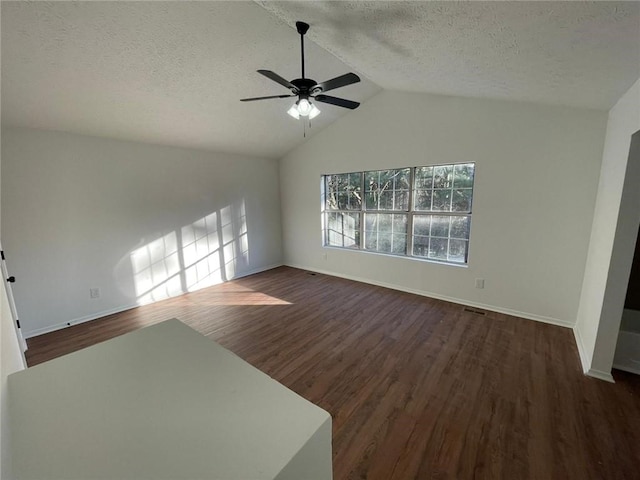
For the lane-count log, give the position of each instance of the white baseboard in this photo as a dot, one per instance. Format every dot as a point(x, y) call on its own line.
point(493, 308)
point(607, 377)
point(76, 321)
point(122, 308)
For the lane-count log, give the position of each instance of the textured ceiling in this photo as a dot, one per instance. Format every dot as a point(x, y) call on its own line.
point(173, 72)
point(160, 72)
point(584, 54)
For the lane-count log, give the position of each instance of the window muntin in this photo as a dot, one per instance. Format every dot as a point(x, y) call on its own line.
point(424, 212)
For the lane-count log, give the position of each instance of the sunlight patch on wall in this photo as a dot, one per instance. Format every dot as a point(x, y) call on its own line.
point(156, 269)
point(207, 252)
point(235, 246)
point(201, 253)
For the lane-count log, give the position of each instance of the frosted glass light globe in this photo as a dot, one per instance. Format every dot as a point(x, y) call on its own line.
point(304, 107)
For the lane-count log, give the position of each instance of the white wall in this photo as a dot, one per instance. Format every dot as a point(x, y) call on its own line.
point(615, 227)
point(80, 212)
point(537, 171)
point(11, 359)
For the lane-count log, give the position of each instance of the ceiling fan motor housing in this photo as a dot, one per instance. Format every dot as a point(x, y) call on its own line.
point(305, 86)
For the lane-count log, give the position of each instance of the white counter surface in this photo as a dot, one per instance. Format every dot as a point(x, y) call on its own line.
point(158, 403)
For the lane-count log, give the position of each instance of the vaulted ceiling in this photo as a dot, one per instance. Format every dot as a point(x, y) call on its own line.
point(173, 72)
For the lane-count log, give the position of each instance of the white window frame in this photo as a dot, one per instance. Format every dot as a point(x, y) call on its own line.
point(411, 213)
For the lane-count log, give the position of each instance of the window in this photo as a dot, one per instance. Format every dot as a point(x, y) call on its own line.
point(422, 212)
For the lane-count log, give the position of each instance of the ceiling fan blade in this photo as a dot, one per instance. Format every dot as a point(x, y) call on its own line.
point(340, 102)
point(278, 79)
point(265, 98)
point(341, 81)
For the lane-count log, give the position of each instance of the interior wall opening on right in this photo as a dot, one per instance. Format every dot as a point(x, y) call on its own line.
point(627, 355)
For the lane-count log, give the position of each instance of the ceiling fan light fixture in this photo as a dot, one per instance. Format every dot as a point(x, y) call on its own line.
point(315, 111)
point(293, 111)
point(303, 108)
point(306, 88)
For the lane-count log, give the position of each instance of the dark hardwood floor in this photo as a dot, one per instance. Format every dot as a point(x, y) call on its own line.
point(417, 388)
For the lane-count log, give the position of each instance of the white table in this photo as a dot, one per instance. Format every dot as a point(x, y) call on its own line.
point(158, 403)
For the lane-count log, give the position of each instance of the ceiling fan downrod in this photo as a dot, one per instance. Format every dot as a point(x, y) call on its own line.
point(302, 28)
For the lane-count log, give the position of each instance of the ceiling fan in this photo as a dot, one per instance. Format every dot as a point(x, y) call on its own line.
point(306, 89)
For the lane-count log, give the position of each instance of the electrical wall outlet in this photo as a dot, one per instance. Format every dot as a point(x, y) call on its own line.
point(479, 282)
point(94, 292)
point(324, 256)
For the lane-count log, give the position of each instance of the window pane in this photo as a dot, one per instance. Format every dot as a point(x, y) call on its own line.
point(438, 248)
point(384, 242)
point(372, 200)
point(371, 181)
point(420, 246)
point(443, 176)
point(399, 223)
point(343, 229)
point(402, 178)
point(355, 200)
point(343, 201)
point(460, 227)
point(440, 226)
point(424, 177)
point(386, 232)
point(461, 200)
point(370, 222)
point(422, 200)
point(463, 175)
point(386, 201)
point(442, 200)
point(401, 200)
point(421, 224)
point(386, 179)
point(343, 191)
point(331, 193)
point(458, 251)
point(332, 235)
point(355, 180)
point(370, 241)
point(399, 244)
point(446, 240)
point(387, 189)
point(371, 231)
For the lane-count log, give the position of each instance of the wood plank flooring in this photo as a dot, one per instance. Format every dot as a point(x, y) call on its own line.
point(417, 388)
